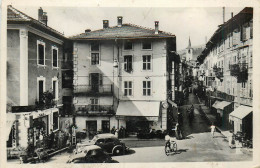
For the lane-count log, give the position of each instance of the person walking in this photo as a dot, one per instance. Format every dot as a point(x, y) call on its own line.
point(231, 141)
point(213, 129)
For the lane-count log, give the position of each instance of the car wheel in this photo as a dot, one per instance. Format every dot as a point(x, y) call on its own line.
point(118, 151)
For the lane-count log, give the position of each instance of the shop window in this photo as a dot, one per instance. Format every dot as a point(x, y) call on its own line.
point(54, 57)
point(105, 126)
point(94, 104)
point(55, 121)
point(128, 88)
point(128, 63)
point(40, 53)
point(147, 45)
point(147, 88)
point(128, 45)
point(146, 62)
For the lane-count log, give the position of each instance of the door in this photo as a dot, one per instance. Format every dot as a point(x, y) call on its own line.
point(91, 127)
point(105, 127)
point(94, 82)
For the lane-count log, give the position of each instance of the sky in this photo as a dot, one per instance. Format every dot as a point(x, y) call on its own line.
point(197, 23)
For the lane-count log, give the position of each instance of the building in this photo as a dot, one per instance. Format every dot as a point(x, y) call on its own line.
point(121, 77)
point(226, 66)
point(34, 57)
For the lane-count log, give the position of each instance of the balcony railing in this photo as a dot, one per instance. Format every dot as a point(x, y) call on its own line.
point(94, 110)
point(240, 71)
point(93, 90)
point(221, 95)
point(218, 72)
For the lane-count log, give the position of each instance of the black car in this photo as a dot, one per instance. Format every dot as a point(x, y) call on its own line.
point(91, 154)
point(108, 142)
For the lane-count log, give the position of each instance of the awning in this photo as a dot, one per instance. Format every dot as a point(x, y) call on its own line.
point(241, 112)
point(149, 110)
point(221, 105)
point(215, 104)
point(10, 119)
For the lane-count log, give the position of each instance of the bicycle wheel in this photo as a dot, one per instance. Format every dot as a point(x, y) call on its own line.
point(174, 147)
point(167, 149)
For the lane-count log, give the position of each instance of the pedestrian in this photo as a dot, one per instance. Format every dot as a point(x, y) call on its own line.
point(113, 130)
point(213, 129)
point(51, 139)
point(231, 141)
point(116, 133)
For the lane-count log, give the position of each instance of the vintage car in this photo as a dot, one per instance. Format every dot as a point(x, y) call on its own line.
point(91, 154)
point(108, 142)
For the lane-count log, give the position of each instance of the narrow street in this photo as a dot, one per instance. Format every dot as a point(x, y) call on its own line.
point(198, 146)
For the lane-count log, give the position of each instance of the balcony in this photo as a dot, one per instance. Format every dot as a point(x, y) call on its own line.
point(93, 90)
point(218, 72)
point(240, 71)
point(94, 110)
point(221, 95)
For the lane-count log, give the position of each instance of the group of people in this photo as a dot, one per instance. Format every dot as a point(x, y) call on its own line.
point(121, 133)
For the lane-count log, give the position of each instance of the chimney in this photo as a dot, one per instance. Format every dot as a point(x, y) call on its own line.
point(231, 14)
point(156, 27)
point(223, 15)
point(87, 30)
point(119, 21)
point(42, 16)
point(105, 24)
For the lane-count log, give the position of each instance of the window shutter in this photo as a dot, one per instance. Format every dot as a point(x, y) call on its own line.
point(100, 79)
point(243, 33)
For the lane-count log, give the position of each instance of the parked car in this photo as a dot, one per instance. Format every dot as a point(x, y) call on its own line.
point(108, 142)
point(91, 154)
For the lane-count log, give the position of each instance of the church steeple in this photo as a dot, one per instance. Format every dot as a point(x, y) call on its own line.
point(189, 45)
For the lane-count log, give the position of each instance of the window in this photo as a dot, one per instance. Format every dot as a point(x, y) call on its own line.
point(94, 58)
point(243, 33)
point(54, 57)
point(40, 88)
point(147, 45)
point(105, 126)
point(128, 61)
point(55, 88)
point(250, 89)
point(128, 45)
point(147, 88)
point(95, 46)
point(95, 53)
point(128, 88)
point(146, 62)
point(40, 53)
point(251, 29)
point(94, 104)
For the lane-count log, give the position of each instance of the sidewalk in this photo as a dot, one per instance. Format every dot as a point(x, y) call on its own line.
point(212, 118)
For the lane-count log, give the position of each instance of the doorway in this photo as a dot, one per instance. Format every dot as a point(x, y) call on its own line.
point(105, 126)
point(91, 128)
point(94, 82)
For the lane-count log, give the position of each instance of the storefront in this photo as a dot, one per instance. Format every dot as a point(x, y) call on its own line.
point(241, 120)
point(139, 115)
point(26, 128)
point(223, 109)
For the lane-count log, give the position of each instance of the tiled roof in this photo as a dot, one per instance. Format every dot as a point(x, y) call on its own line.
point(125, 31)
point(14, 15)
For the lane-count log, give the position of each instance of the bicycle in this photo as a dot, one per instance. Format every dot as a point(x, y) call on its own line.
point(170, 147)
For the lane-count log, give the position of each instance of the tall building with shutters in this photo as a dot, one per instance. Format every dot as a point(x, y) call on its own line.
point(122, 77)
point(226, 68)
point(34, 54)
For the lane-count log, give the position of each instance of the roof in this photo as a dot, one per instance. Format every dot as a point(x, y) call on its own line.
point(125, 31)
point(241, 112)
point(106, 135)
point(16, 16)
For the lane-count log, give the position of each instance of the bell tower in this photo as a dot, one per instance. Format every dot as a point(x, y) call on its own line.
point(189, 51)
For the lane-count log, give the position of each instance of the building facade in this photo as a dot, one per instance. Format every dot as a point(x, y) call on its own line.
point(226, 70)
point(34, 54)
point(121, 77)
